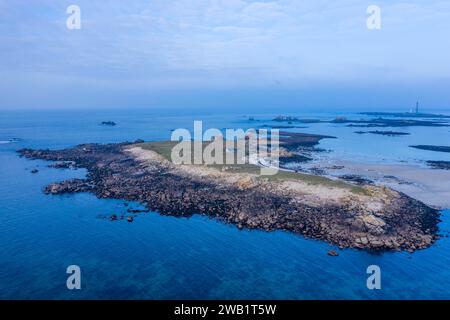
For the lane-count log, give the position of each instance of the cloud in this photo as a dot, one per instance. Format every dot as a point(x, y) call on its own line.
point(225, 43)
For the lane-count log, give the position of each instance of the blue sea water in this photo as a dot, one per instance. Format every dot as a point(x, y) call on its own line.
point(158, 257)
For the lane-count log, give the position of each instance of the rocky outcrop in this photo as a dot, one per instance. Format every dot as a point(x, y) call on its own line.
point(333, 253)
point(69, 186)
point(401, 224)
point(372, 123)
point(108, 123)
point(385, 133)
point(444, 165)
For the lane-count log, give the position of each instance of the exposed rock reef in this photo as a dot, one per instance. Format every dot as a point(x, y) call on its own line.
point(372, 218)
point(298, 147)
point(108, 123)
point(384, 133)
point(444, 165)
point(406, 115)
point(432, 148)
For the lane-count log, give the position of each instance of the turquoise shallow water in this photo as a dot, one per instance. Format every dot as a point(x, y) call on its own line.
point(158, 257)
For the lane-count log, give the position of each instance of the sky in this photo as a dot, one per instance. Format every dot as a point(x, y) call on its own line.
point(237, 54)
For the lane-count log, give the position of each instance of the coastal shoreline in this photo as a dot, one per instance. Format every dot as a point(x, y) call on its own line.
point(430, 186)
point(368, 217)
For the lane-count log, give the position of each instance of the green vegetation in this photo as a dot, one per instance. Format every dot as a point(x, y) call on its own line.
point(164, 148)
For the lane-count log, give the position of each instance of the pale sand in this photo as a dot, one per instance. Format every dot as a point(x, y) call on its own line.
point(431, 186)
point(312, 194)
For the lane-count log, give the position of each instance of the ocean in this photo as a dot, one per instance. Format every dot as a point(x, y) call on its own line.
point(160, 257)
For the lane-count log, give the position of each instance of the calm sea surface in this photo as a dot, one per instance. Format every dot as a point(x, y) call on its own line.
point(158, 257)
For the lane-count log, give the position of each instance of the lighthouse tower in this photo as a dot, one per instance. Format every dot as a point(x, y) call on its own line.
point(417, 107)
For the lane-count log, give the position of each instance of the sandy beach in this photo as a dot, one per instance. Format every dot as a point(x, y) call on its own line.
point(431, 186)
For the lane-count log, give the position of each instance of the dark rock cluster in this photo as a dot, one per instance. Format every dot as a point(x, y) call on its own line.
point(371, 123)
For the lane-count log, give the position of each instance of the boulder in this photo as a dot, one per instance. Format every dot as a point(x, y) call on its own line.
point(333, 253)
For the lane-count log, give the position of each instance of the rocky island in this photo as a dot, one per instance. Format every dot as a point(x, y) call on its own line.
point(350, 216)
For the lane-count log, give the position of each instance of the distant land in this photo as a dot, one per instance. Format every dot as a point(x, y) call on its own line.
point(444, 165)
point(405, 114)
point(372, 123)
point(432, 148)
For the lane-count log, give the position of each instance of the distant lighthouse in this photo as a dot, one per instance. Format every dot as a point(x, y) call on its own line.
point(417, 107)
